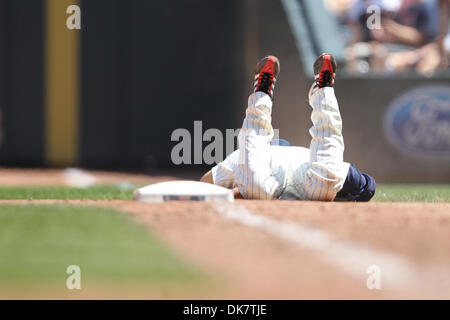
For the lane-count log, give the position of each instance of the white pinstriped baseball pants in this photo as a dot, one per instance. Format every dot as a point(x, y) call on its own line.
point(318, 179)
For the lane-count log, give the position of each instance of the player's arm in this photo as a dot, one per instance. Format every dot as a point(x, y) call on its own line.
point(208, 178)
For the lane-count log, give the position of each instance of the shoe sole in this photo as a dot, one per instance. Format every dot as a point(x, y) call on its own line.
point(269, 64)
point(325, 59)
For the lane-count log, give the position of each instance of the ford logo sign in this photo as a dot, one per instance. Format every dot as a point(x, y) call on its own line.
point(418, 122)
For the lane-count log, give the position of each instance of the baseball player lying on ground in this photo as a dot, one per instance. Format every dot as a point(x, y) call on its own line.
point(260, 170)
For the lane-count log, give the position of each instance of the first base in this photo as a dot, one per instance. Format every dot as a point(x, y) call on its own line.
point(183, 191)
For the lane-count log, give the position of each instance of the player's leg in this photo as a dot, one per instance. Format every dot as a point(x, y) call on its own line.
point(327, 170)
point(253, 177)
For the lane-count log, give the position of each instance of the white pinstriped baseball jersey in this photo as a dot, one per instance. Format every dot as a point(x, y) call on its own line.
point(262, 171)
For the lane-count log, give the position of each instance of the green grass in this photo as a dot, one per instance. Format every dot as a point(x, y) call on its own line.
point(39, 242)
point(107, 192)
point(412, 193)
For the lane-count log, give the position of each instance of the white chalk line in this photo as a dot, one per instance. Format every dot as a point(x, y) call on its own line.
point(397, 272)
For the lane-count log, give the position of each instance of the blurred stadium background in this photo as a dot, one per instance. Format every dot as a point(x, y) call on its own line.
point(109, 95)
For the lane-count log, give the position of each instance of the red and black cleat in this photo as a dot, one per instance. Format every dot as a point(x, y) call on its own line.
point(266, 74)
point(325, 70)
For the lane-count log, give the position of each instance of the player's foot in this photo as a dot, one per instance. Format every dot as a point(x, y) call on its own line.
point(266, 74)
point(325, 70)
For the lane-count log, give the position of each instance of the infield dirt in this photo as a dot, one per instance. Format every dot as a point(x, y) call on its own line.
point(247, 262)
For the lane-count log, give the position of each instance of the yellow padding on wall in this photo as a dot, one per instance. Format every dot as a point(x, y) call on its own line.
point(62, 85)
